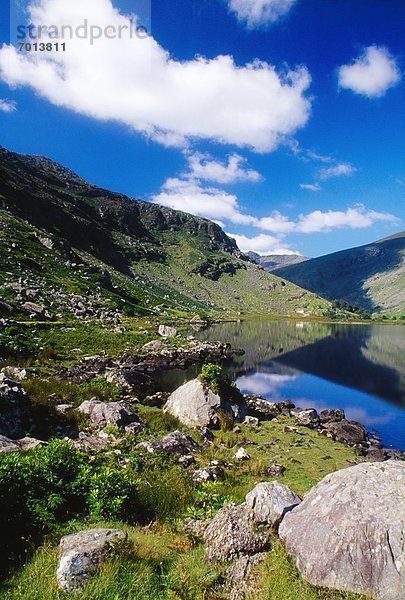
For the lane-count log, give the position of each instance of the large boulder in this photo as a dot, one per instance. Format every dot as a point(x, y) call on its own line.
point(177, 442)
point(270, 501)
point(82, 553)
point(261, 408)
point(233, 533)
point(348, 533)
point(347, 432)
point(102, 414)
point(197, 406)
point(307, 417)
point(330, 415)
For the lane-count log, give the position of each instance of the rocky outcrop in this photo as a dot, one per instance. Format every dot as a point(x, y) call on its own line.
point(348, 533)
point(197, 406)
point(177, 442)
point(102, 414)
point(232, 534)
point(347, 432)
point(261, 408)
point(81, 554)
point(241, 580)
point(21, 445)
point(270, 501)
point(306, 417)
point(330, 415)
point(167, 332)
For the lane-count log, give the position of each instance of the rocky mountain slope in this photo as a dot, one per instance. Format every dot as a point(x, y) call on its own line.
point(371, 277)
point(274, 261)
point(70, 248)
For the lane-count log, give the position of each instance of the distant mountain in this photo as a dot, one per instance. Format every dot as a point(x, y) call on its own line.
point(371, 277)
point(274, 261)
point(79, 250)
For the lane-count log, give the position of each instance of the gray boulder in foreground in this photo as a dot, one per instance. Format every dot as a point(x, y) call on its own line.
point(82, 553)
point(270, 501)
point(102, 414)
point(349, 531)
point(197, 406)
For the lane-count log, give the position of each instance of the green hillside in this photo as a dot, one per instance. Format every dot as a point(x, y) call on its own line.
point(78, 250)
point(371, 277)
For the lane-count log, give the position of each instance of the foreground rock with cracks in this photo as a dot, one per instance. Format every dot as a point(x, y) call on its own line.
point(349, 531)
point(81, 555)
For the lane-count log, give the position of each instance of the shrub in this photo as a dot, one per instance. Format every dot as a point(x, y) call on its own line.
point(112, 494)
point(212, 376)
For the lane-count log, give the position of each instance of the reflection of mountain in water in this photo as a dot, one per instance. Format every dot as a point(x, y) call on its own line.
point(366, 358)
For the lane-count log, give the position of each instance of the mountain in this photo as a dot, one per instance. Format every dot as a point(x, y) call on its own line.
point(274, 261)
point(371, 277)
point(69, 248)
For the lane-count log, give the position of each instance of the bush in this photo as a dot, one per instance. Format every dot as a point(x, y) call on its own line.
point(112, 495)
point(212, 376)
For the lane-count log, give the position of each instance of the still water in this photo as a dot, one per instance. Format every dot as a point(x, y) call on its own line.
point(360, 368)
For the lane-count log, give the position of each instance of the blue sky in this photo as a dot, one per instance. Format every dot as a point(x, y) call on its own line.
point(302, 151)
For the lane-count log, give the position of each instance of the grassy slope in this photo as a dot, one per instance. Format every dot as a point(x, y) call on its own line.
point(159, 260)
point(161, 562)
point(371, 276)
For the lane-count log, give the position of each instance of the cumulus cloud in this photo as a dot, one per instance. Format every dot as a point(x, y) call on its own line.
point(262, 244)
point(190, 196)
point(358, 217)
point(259, 13)
point(136, 82)
point(338, 170)
point(312, 187)
point(371, 74)
point(7, 106)
point(202, 166)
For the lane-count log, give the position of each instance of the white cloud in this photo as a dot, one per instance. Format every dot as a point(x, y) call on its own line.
point(262, 244)
point(259, 13)
point(135, 82)
point(371, 74)
point(189, 196)
point(7, 106)
point(338, 170)
point(358, 217)
point(276, 222)
point(202, 166)
point(312, 187)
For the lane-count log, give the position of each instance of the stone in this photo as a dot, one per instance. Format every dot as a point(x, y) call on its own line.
point(17, 373)
point(197, 406)
point(251, 421)
point(167, 332)
point(348, 533)
point(154, 346)
point(36, 310)
point(134, 428)
point(241, 580)
point(242, 454)
point(7, 445)
point(81, 555)
point(274, 470)
point(261, 408)
point(15, 409)
point(306, 417)
point(186, 460)
point(63, 409)
point(29, 443)
point(86, 442)
point(331, 415)
point(233, 533)
point(347, 432)
point(270, 501)
point(196, 528)
point(102, 414)
point(176, 442)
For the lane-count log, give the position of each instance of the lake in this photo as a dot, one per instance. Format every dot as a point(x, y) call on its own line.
point(360, 368)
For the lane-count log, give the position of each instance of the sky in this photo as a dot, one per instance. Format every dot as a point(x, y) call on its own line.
point(281, 120)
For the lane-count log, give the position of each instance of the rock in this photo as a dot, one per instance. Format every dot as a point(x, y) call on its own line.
point(331, 415)
point(166, 331)
point(251, 421)
point(29, 443)
point(196, 527)
point(177, 442)
point(203, 475)
point(347, 432)
point(5, 309)
point(37, 310)
point(15, 409)
point(197, 406)
point(157, 400)
point(233, 533)
point(186, 460)
point(207, 434)
point(17, 373)
point(7, 445)
point(134, 428)
point(81, 554)
point(270, 501)
point(306, 417)
point(102, 414)
point(240, 577)
point(154, 346)
point(261, 408)
point(348, 533)
point(242, 454)
point(86, 442)
point(274, 470)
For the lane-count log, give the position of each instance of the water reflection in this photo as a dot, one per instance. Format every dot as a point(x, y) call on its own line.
point(360, 368)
